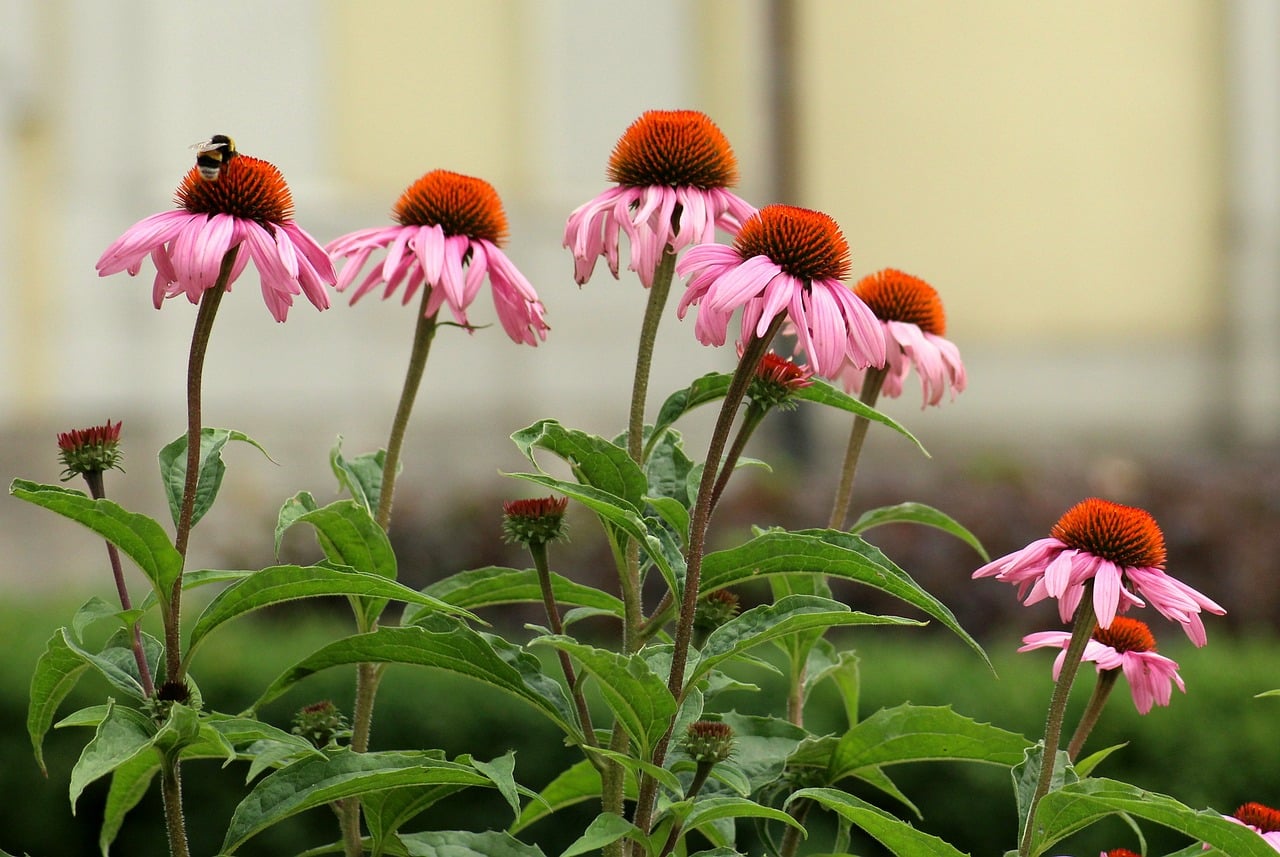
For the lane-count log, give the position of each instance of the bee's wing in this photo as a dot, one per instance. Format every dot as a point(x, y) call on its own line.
point(206, 146)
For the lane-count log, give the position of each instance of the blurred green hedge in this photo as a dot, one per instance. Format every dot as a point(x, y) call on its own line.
point(1213, 747)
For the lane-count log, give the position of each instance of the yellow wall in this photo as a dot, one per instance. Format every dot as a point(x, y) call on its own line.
point(1053, 168)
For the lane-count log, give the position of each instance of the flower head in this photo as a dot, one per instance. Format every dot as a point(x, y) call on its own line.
point(911, 313)
point(673, 169)
point(708, 742)
point(714, 609)
point(1127, 645)
point(90, 450)
point(320, 723)
point(1261, 819)
point(537, 521)
point(1119, 548)
point(249, 209)
point(785, 260)
point(448, 234)
point(776, 382)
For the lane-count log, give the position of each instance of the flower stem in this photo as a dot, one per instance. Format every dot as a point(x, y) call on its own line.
point(750, 421)
point(844, 494)
point(423, 334)
point(171, 791)
point(1088, 720)
point(752, 354)
point(700, 775)
point(1082, 628)
point(791, 836)
point(195, 370)
point(538, 550)
point(97, 491)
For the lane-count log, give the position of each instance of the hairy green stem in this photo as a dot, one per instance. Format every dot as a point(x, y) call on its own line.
point(424, 332)
point(97, 490)
point(1092, 711)
point(195, 370)
point(753, 417)
point(844, 494)
point(752, 354)
point(538, 550)
point(171, 792)
point(700, 775)
point(791, 836)
point(1082, 628)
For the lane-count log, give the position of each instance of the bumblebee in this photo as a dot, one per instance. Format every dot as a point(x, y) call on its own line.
point(212, 154)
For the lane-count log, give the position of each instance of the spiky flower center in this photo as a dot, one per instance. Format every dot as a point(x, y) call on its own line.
point(535, 521)
point(1126, 635)
point(806, 244)
point(458, 204)
point(708, 741)
point(247, 188)
point(896, 296)
point(1260, 816)
point(676, 148)
point(1125, 535)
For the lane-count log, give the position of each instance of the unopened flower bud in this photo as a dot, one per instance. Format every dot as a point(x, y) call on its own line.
point(534, 522)
point(708, 741)
point(714, 609)
point(776, 382)
point(320, 723)
point(90, 450)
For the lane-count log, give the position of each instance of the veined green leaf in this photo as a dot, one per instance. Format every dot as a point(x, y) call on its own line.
point(708, 388)
point(56, 674)
point(595, 461)
point(450, 646)
point(830, 552)
point(173, 469)
point(140, 538)
point(898, 836)
point(822, 393)
point(121, 735)
point(465, 843)
point(917, 513)
point(314, 782)
point(578, 782)
point(492, 586)
point(606, 828)
point(361, 476)
point(636, 695)
point(1076, 806)
point(792, 614)
point(280, 583)
point(707, 810)
point(129, 784)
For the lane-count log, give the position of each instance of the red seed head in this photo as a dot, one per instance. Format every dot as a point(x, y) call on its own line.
point(1125, 535)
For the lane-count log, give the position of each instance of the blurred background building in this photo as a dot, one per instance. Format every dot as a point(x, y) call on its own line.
point(1092, 187)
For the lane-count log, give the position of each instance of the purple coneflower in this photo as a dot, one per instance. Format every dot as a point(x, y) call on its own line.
point(247, 207)
point(1127, 645)
point(784, 260)
point(449, 231)
point(673, 169)
point(1261, 819)
point(1121, 549)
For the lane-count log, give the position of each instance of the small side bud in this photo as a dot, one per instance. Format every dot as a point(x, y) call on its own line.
point(776, 382)
point(534, 522)
point(714, 609)
point(708, 742)
point(320, 723)
point(90, 450)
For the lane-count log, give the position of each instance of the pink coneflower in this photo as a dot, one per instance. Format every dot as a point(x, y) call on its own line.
point(248, 207)
point(1127, 645)
point(784, 260)
point(450, 230)
point(911, 313)
point(1121, 549)
point(1261, 819)
point(672, 169)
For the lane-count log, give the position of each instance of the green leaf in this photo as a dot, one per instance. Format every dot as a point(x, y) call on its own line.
point(314, 782)
point(711, 809)
point(56, 673)
point(667, 470)
point(1086, 766)
point(92, 612)
point(121, 735)
point(917, 513)
point(823, 393)
point(1026, 778)
point(578, 782)
point(1078, 805)
point(492, 586)
point(386, 811)
point(502, 772)
point(361, 477)
point(450, 646)
point(842, 668)
point(830, 552)
point(708, 388)
point(634, 692)
point(1275, 692)
point(762, 745)
point(464, 843)
point(281, 583)
point(606, 828)
point(129, 784)
point(596, 462)
point(793, 614)
point(893, 833)
point(140, 538)
point(173, 469)
point(918, 733)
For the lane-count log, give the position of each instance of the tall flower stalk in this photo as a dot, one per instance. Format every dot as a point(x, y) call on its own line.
point(241, 202)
